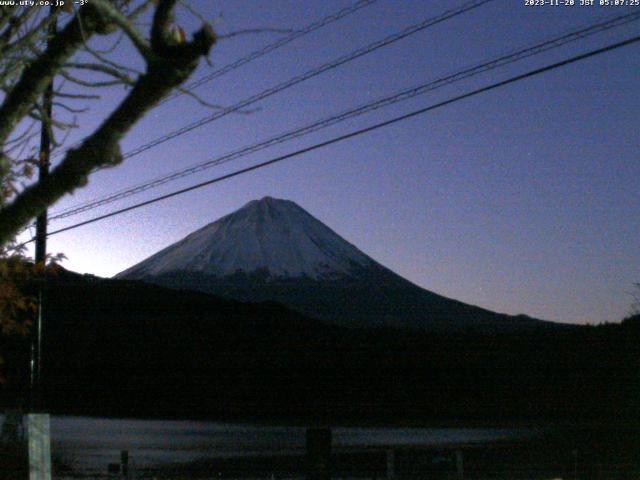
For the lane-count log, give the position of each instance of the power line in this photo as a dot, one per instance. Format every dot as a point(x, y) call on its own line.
point(356, 133)
point(405, 94)
point(464, 74)
point(272, 46)
point(312, 27)
point(309, 74)
point(429, 22)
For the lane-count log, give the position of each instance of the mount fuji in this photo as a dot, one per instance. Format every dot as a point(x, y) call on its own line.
point(274, 250)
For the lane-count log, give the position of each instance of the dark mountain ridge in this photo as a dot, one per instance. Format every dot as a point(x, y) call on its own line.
point(127, 348)
point(273, 250)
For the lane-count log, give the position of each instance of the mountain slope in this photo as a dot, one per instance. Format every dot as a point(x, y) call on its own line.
point(273, 235)
point(113, 347)
point(273, 250)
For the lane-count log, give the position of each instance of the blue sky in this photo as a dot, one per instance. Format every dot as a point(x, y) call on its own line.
point(520, 200)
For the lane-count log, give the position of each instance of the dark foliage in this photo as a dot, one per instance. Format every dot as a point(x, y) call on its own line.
point(124, 348)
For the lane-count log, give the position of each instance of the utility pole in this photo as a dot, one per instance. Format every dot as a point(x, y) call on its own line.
point(38, 422)
point(41, 230)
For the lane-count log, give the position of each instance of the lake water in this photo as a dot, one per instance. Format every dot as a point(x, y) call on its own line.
point(88, 445)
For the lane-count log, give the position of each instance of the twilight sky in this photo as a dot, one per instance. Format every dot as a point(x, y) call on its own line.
point(520, 200)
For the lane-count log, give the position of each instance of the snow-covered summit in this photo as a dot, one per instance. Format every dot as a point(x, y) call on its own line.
point(267, 234)
point(292, 258)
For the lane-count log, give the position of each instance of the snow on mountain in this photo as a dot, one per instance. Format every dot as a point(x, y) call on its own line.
point(267, 234)
point(273, 250)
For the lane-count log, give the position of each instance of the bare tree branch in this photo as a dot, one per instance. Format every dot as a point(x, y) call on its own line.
point(162, 18)
point(101, 68)
point(108, 10)
point(171, 63)
point(93, 83)
point(14, 24)
point(76, 96)
point(37, 75)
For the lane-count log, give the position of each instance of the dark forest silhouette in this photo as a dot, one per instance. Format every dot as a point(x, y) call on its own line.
point(126, 348)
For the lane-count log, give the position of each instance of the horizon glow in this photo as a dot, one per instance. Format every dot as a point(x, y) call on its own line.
point(520, 200)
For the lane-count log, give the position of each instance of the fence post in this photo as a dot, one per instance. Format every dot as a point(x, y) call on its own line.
point(39, 446)
point(318, 453)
